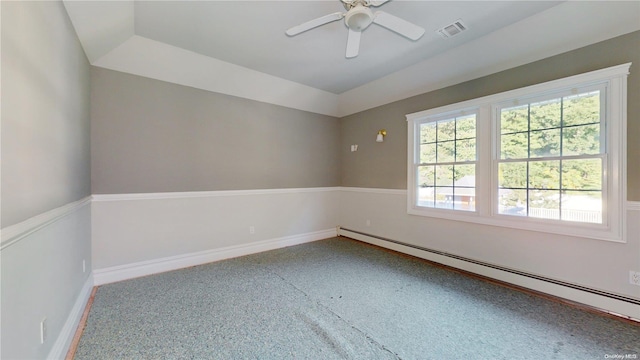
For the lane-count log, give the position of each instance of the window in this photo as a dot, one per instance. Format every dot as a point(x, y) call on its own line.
point(552, 157)
point(447, 163)
point(549, 157)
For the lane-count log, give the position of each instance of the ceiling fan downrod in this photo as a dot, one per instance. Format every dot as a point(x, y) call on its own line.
point(350, 4)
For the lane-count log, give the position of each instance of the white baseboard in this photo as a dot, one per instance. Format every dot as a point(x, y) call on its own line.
point(143, 268)
point(607, 304)
point(61, 346)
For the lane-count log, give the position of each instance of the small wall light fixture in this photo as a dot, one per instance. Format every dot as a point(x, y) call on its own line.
point(381, 134)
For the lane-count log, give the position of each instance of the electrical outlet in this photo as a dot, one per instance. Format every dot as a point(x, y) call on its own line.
point(252, 229)
point(368, 222)
point(634, 278)
point(43, 330)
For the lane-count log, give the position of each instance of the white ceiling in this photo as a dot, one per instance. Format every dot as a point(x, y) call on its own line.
point(240, 48)
point(251, 34)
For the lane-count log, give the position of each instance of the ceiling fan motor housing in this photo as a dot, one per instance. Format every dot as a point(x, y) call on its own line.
point(358, 18)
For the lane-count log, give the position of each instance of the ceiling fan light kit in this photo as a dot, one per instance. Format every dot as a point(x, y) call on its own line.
point(357, 18)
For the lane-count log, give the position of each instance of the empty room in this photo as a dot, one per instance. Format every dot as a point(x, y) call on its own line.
point(334, 179)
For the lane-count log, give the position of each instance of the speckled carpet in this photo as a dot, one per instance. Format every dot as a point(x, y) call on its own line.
point(338, 299)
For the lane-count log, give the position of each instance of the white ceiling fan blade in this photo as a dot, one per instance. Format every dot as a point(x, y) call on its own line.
point(402, 27)
point(353, 43)
point(377, 3)
point(314, 23)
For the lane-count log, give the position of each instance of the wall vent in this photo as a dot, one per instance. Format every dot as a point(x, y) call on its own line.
point(452, 29)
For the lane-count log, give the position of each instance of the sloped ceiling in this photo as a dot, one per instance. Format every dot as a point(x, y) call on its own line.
point(239, 47)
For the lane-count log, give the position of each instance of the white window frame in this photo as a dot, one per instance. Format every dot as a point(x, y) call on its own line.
point(437, 118)
point(613, 228)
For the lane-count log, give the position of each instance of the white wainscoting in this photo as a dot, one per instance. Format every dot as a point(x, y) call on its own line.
point(141, 234)
point(43, 277)
point(596, 264)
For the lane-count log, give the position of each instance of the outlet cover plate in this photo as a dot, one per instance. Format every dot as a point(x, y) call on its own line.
point(43, 330)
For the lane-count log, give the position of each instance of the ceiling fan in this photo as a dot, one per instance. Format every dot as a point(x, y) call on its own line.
point(357, 18)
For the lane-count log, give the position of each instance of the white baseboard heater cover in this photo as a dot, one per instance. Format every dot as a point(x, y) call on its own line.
point(609, 295)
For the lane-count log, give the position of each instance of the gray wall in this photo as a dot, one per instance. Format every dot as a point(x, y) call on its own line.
point(45, 112)
point(152, 136)
point(384, 165)
point(45, 164)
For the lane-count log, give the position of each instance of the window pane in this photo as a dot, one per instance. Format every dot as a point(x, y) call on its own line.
point(544, 204)
point(545, 143)
point(545, 115)
point(444, 197)
point(582, 174)
point(512, 202)
point(465, 175)
point(446, 130)
point(446, 151)
point(581, 140)
point(514, 146)
point(465, 199)
point(464, 187)
point(581, 109)
point(512, 175)
point(582, 206)
point(428, 153)
point(426, 196)
point(514, 119)
point(426, 176)
point(466, 150)
point(466, 127)
point(427, 133)
point(544, 174)
point(444, 175)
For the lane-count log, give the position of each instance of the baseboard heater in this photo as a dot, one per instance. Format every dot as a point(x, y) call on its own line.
point(502, 268)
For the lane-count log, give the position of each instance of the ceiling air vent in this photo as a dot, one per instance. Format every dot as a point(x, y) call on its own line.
point(452, 29)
